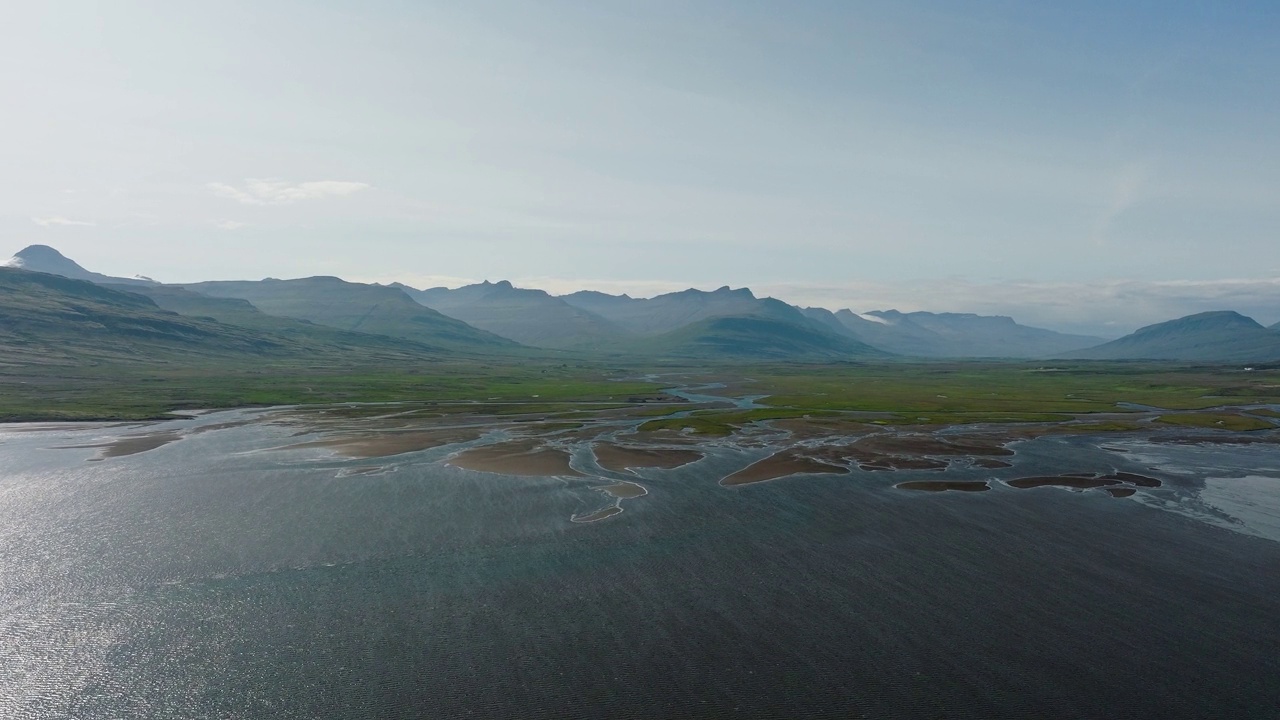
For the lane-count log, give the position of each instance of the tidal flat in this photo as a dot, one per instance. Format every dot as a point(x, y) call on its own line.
point(430, 559)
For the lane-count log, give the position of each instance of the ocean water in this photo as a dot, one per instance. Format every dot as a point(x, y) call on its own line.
point(215, 577)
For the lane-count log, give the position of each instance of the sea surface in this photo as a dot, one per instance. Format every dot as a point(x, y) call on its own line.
point(219, 576)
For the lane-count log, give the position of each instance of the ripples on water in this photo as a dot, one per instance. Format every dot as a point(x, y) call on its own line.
point(209, 579)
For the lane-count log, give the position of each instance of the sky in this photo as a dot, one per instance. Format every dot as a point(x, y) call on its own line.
point(1086, 166)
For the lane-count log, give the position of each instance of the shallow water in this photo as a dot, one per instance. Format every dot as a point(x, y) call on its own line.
point(213, 577)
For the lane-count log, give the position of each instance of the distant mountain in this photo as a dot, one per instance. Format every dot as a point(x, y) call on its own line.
point(925, 334)
point(485, 318)
point(242, 313)
point(373, 309)
point(1219, 336)
point(50, 319)
point(42, 258)
point(755, 338)
point(672, 311)
point(529, 317)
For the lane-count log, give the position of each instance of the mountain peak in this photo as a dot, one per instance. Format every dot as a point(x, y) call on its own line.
point(43, 258)
point(727, 291)
point(1202, 321)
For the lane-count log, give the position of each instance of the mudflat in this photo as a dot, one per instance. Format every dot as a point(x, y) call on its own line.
point(620, 457)
point(384, 444)
point(778, 465)
point(131, 445)
point(519, 457)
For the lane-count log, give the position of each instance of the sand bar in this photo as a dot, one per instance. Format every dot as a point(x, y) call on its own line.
point(384, 444)
point(1078, 483)
point(521, 457)
point(620, 457)
point(600, 514)
point(778, 465)
point(131, 445)
point(624, 490)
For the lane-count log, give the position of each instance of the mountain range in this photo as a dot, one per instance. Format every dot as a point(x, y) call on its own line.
point(328, 314)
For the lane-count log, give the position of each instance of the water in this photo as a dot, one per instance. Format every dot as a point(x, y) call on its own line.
point(215, 578)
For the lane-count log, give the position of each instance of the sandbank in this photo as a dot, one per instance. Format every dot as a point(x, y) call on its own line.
point(778, 465)
point(1077, 483)
point(131, 445)
point(620, 457)
point(521, 457)
point(391, 443)
point(600, 514)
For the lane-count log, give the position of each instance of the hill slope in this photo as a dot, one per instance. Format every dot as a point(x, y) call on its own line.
point(755, 337)
point(529, 317)
point(52, 320)
point(301, 333)
point(1219, 336)
point(372, 309)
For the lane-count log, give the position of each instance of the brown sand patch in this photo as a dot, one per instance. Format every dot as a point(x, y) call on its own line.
point(1121, 492)
point(600, 514)
point(943, 485)
point(131, 445)
point(1078, 483)
point(778, 465)
point(372, 445)
point(624, 490)
point(521, 457)
point(620, 457)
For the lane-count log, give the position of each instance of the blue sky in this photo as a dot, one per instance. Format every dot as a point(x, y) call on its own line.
point(1078, 165)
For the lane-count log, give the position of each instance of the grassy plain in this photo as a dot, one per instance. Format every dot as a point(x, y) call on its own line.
point(884, 393)
point(125, 392)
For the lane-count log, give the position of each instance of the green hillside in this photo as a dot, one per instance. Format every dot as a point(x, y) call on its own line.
point(755, 337)
point(49, 319)
point(358, 307)
point(1221, 336)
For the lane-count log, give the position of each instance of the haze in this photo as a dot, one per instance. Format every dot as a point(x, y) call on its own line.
point(1089, 168)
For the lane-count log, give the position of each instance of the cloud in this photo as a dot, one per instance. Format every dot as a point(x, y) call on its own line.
point(228, 224)
point(56, 220)
point(258, 191)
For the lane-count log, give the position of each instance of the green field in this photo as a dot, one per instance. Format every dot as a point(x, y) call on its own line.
point(893, 393)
